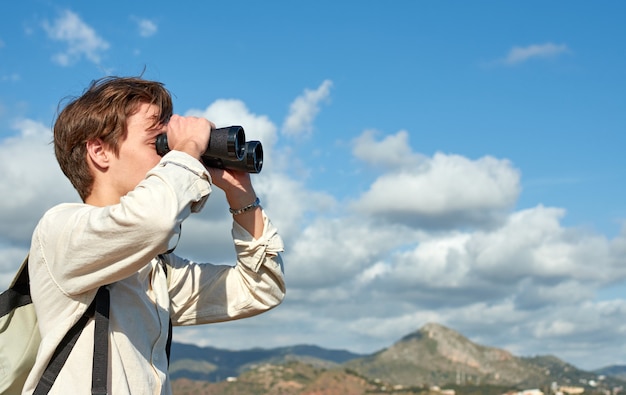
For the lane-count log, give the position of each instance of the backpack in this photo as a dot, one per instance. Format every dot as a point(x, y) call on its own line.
point(20, 338)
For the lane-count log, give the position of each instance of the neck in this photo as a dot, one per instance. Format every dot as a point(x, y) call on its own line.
point(102, 196)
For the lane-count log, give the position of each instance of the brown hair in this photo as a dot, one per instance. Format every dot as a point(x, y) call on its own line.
point(102, 112)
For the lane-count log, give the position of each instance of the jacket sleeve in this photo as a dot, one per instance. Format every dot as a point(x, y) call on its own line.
point(86, 247)
point(203, 293)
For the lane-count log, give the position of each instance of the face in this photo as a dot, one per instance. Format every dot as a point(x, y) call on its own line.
point(137, 153)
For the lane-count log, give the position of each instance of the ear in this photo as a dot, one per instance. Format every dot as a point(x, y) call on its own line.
point(98, 153)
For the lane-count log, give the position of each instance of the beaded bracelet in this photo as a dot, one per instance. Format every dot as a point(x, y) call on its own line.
point(249, 207)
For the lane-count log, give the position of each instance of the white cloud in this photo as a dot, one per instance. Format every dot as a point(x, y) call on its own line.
point(392, 152)
point(303, 110)
point(330, 252)
point(31, 181)
point(442, 191)
point(531, 250)
point(147, 28)
point(80, 38)
point(522, 54)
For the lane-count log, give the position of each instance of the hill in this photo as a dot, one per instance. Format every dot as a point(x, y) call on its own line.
point(298, 378)
point(431, 356)
point(618, 371)
point(438, 355)
point(213, 364)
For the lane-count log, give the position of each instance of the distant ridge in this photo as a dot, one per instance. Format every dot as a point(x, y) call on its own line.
point(438, 355)
point(213, 364)
point(618, 371)
point(432, 355)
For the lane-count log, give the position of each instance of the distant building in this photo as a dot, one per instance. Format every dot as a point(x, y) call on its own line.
point(530, 392)
point(571, 390)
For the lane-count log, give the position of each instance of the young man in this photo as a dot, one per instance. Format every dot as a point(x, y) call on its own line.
point(134, 204)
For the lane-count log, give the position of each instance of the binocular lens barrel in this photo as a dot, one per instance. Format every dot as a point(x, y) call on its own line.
point(227, 149)
point(227, 143)
point(252, 161)
point(254, 157)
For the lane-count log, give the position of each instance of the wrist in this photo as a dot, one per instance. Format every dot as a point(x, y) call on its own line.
point(243, 209)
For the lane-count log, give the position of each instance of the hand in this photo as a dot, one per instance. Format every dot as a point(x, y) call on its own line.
point(236, 184)
point(189, 134)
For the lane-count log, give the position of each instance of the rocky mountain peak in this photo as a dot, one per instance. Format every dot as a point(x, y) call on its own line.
point(436, 348)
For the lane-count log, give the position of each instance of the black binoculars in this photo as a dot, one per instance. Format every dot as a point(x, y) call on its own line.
point(227, 149)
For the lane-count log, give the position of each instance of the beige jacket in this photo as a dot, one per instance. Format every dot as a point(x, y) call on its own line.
point(77, 248)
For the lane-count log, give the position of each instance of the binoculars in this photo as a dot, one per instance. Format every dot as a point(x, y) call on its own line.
point(227, 149)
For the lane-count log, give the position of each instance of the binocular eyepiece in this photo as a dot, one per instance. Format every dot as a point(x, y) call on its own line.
point(227, 149)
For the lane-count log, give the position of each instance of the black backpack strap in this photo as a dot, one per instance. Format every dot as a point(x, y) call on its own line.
point(99, 309)
point(99, 376)
point(18, 294)
point(170, 329)
point(168, 345)
point(61, 354)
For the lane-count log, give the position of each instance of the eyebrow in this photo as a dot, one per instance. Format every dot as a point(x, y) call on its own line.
point(155, 122)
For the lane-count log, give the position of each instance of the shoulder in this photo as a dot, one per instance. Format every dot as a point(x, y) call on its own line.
point(65, 208)
point(58, 216)
point(62, 212)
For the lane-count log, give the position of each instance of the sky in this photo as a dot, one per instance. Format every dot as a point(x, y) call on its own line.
point(451, 162)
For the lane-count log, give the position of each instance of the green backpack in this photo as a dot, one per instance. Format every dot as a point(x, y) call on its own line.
point(20, 338)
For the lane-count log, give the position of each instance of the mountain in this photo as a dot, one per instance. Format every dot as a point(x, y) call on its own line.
point(291, 378)
point(618, 371)
point(213, 364)
point(436, 355)
point(431, 356)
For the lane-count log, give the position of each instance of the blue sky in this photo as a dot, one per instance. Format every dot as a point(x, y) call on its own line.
point(451, 162)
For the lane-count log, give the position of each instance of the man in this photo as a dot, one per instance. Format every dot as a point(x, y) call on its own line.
point(121, 236)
